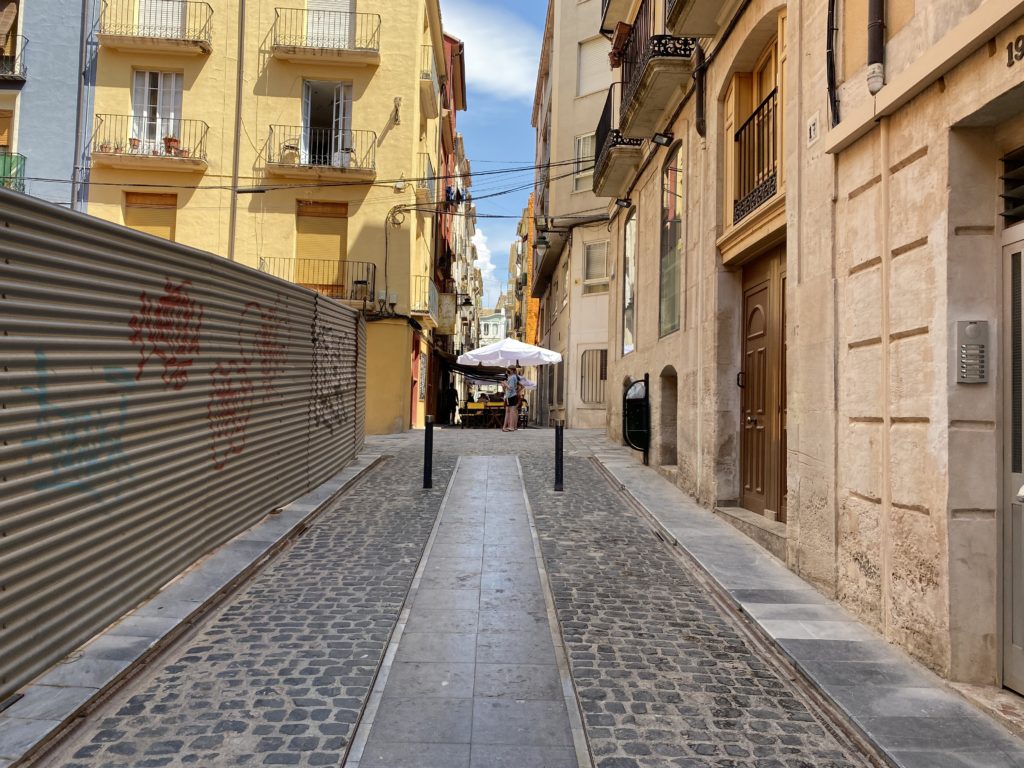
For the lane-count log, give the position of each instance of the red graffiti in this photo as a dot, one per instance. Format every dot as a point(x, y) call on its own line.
point(261, 334)
point(168, 328)
point(227, 411)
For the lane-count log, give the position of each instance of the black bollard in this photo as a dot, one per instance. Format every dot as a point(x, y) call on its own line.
point(559, 427)
point(428, 453)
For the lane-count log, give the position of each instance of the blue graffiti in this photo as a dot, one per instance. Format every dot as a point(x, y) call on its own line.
point(76, 447)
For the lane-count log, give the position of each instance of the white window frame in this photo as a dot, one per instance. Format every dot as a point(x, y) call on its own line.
point(583, 180)
point(595, 285)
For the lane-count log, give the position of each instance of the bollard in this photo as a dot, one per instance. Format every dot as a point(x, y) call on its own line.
point(428, 453)
point(559, 428)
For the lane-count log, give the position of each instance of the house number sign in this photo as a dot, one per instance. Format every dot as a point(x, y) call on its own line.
point(1015, 51)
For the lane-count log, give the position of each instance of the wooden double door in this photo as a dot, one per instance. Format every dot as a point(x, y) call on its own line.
point(763, 387)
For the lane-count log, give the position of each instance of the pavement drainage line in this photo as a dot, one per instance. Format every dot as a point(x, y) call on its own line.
point(187, 627)
point(366, 717)
point(829, 715)
point(584, 758)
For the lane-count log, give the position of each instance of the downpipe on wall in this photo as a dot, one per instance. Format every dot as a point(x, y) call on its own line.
point(876, 45)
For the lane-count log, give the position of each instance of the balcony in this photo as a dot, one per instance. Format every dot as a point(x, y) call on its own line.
point(12, 59)
point(756, 159)
point(423, 300)
point(351, 281)
point(656, 70)
point(302, 152)
point(692, 18)
point(157, 26)
point(141, 142)
point(12, 170)
point(430, 91)
point(426, 183)
point(326, 37)
point(618, 158)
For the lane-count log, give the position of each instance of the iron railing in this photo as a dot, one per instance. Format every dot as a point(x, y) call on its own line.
point(183, 20)
point(642, 46)
point(12, 170)
point(428, 69)
point(756, 158)
point(607, 136)
point(423, 296)
point(327, 30)
point(12, 58)
point(347, 280)
point(427, 178)
point(322, 147)
point(149, 135)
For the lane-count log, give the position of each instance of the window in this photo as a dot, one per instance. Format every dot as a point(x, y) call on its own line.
point(565, 281)
point(321, 243)
point(671, 242)
point(595, 268)
point(629, 286)
point(583, 168)
point(593, 73)
point(153, 214)
point(560, 382)
point(593, 375)
point(326, 124)
point(6, 117)
point(156, 108)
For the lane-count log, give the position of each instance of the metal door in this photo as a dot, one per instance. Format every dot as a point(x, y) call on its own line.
point(755, 407)
point(1013, 516)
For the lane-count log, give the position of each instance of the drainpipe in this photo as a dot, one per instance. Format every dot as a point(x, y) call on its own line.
point(876, 45)
point(76, 160)
point(239, 82)
point(700, 75)
point(830, 63)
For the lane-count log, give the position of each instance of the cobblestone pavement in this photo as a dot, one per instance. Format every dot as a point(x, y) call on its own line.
point(279, 675)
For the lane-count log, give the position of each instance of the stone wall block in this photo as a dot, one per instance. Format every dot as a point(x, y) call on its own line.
point(912, 289)
point(973, 576)
point(862, 316)
point(975, 469)
point(860, 245)
point(913, 389)
point(860, 390)
point(859, 568)
point(860, 459)
point(914, 468)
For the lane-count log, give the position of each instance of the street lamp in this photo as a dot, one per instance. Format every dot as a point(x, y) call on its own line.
point(541, 246)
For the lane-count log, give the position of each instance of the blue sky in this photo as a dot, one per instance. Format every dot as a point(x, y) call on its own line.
point(502, 40)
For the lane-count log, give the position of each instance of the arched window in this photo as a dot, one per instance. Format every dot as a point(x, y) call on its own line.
point(672, 201)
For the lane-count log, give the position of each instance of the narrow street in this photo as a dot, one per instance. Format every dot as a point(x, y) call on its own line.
point(285, 672)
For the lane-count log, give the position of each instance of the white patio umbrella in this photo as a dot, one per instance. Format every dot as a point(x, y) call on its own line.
point(509, 352)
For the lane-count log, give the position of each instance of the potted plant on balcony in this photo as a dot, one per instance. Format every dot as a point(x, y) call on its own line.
point(118, 148)
point(171, 144)
point(104, 147)
point(184, 152)
point(134, 143)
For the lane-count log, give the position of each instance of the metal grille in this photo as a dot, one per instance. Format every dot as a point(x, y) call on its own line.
point(326, 30)
point(1016, 396)
point(1013, 187)
point(593, 375)
point(756, 149)
point(157, 401)
point(158, 19)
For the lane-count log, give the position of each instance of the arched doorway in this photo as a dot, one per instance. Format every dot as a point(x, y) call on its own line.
point(668, 418)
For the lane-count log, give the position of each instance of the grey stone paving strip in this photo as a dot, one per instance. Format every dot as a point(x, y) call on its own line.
point(60, 695)
point(279, 674)
point(663, 676)
point(902, 708)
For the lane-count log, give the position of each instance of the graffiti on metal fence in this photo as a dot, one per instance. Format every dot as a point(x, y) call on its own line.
point(76, 446)
point(168, 328)
point(262, 341)
point(330, 375)
point(227, 411)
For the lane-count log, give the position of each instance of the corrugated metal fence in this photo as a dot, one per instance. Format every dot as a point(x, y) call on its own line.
point(156, 400)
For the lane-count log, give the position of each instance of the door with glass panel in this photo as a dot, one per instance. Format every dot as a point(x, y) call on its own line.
point(1013, 487)
point(327, 124)
point(156, 110)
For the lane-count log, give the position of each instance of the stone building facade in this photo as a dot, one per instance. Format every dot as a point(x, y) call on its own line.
point(807, 249)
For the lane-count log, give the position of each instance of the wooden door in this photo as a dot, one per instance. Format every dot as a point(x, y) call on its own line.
point(1013, 487)
point(763, 415)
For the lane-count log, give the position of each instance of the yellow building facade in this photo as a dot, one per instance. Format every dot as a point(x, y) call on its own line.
point(297, 138)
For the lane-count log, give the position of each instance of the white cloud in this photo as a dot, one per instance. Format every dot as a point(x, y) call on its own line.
point(502, 50)
point(488, 269)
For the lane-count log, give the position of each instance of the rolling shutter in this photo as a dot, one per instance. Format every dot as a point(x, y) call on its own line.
point(152, 214)
point(5, 128)
point(594, 72)
point(321, 242)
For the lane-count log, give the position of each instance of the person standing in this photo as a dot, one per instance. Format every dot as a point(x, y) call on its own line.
point(511, 401)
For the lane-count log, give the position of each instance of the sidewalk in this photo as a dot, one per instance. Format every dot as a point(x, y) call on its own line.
point(908, 712)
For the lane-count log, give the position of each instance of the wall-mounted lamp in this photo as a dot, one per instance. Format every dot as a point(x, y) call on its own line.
point(541, 246)
point(662, 139)
point(396, 116)
point(624, 202)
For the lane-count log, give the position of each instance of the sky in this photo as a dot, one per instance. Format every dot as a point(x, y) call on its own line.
point(502, 49)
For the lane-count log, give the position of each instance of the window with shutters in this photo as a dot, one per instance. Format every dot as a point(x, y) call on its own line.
point(153, 214)
point(565, 282)
point(593, 73)
point(671, 242)
point(583, 167)
point(321, 242)
point(6, 118)
point(593, 375)
point(595, 268)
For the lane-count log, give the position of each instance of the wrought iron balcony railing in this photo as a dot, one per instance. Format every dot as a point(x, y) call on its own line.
point(608, 136)
point(642, 47)
point(326, 30)
point(346, 280)
point(184, 21)
point(298, 145)
point(12, 58)
point(756, 144)
point(12, 170)
point(423, 296)
point(144, 135)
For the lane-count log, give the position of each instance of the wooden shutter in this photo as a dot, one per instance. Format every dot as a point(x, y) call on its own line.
point(5, 128)
point(153, 214)
point(594, 73)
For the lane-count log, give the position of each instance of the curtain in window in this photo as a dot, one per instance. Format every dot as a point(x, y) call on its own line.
point(671, 242)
